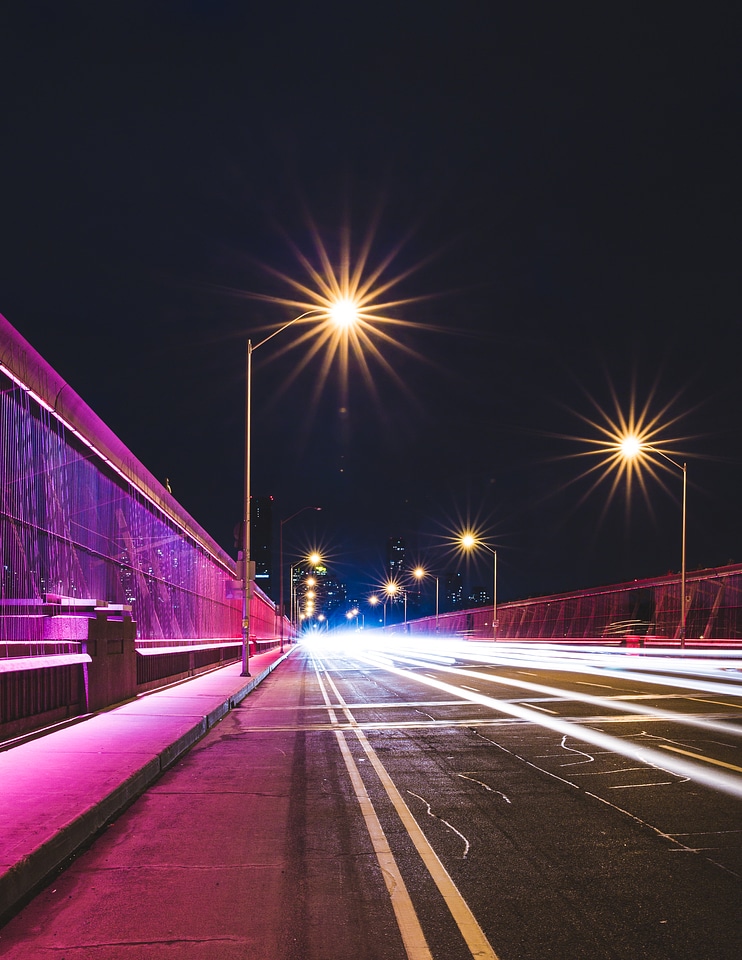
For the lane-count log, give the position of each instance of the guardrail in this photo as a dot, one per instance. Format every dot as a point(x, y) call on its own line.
point(91, 660)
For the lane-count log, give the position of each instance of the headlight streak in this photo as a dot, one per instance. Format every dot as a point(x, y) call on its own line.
point(604, 703)
point(723, 782)
point(641, 667)
point(685, 679)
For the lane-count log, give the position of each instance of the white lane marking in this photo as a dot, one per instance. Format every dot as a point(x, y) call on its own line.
point(413, 938)
point(533, 706)
point(477, 942)
point(415, 944)
point(473, 689)
point(441, 820)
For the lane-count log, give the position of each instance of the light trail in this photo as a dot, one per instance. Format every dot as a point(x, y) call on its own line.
point(721, 781)
point(562, 694)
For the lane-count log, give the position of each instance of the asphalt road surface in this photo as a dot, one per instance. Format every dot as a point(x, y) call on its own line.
point(427, 799)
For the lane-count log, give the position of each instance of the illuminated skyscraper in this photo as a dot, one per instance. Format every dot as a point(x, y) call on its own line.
point(453, 591)
point(261, 540)
point(395, 551)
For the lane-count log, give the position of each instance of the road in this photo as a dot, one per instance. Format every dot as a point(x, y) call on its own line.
point(430, 800)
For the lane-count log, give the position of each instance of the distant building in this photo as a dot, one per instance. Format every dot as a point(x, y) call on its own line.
point(261, 540)
point(318, 595)
point(395, 551)
point(480, 596)
point(453, 591)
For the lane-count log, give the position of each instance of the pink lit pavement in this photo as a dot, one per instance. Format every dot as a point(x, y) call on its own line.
point(58, 791)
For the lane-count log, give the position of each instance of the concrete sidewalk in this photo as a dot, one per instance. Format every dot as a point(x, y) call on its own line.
point(58, 791)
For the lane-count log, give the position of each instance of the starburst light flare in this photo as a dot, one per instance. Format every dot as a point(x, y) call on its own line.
point(631, 446)
point(346, 313)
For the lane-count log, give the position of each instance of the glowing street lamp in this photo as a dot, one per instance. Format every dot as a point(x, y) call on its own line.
point(338, 312)
point(469, 541)
point(314, 559)
point(391, 588)
point(631, 447)
point(420, 573)
point(280, 561)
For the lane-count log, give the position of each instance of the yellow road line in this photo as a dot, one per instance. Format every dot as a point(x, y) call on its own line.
point(700, 756)
point(472, 933)
point(736, 706)
point(413, 938)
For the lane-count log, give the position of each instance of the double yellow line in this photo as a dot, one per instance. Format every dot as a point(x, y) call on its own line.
point(407, 919)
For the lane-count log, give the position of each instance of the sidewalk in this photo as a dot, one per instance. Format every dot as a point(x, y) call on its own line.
point(58, 791)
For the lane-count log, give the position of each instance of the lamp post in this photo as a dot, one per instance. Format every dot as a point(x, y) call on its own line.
point(468, 541)
point(314, 559)
point(391, 589)
point(632, 448)
point(343, 312)
point(280, 560)
point(420, 573)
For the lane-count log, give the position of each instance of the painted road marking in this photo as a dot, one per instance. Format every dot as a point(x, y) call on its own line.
point(700, 756)
point(469, 928)
point(413, 938)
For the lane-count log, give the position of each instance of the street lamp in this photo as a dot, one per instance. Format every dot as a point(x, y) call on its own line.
point(468, 541)
point(314, 559)
point(391, 588)
point(280, 560)
point(420, 573)
point(632, 448)
point(343, 313)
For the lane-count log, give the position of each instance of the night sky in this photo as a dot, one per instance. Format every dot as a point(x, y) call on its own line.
point(555, 187)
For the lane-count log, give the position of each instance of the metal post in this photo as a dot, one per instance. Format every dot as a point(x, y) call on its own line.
point(280, 575)
point(246, 531)
point(436, 604)
point(683, 610)
point(494, 600)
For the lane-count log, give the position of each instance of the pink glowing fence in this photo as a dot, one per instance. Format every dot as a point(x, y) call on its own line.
point(82, 520)
point(646, 608)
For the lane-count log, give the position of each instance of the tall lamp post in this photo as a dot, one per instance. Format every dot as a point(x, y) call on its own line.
point(632, 448)
point(467, 541)
point(373, 601)
point(391, 589)
point(344, 313)
point(280, 561)
point(420, 573)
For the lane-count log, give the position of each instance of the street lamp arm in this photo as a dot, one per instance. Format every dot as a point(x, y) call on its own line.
point(281, 329)
point(286, 519)
point(681, 466)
